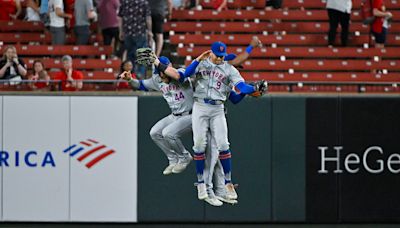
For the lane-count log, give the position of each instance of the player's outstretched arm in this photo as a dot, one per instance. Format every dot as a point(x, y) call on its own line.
point(245, 88)
point(255, 42)
point(136, 84)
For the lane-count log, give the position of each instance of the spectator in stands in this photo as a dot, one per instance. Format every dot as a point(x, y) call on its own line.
point(32, 10)
point(220, 5)
point(69, 8)
point(71, 80)
point(194, 4)
point(180, 4)
point(125, 66)
point(40, 75)
point(44, 13)
point(84, 11)
point(159, 8)
point(276, 4)
point(11, 67)
point(338, 12)
point(108, 21)
point(10, 9)
point(381, 23)
point(57, 22)
point(135, 28)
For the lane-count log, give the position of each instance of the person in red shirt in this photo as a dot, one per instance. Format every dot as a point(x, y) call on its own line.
point(220, 5)
point(10, 9)
point(70, 9)
point(39, 75)
point(380, 24)
point(71, 80)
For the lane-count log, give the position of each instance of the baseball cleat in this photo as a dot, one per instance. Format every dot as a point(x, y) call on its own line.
point(168, 169)
point(213, 201)
point(230, 191)
point(201, 191)
point(225, 200)
point(182, 164)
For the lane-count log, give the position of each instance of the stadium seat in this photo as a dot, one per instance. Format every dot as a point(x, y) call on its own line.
point(46, 50)
point(40, 38)
point(322, 77)
point(319, 65)
point(255, 14)
point(236, 3)
point(281, 40)
point(298, 52)
point(80, 63)
point(21, 26)
point(254, 27)
point(321, 4)
point(92, 75)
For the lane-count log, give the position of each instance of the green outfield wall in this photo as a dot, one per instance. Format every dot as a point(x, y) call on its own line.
point(295, 159)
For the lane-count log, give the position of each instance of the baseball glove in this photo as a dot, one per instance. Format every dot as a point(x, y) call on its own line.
point(145, 56)
point(260, 87)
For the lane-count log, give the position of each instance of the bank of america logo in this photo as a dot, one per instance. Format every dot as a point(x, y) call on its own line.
point(84, 149)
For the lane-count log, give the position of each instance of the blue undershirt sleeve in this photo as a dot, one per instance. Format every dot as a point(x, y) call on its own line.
point(236, 97)
point(142, 87)
point(191, 69)
point(245, 88)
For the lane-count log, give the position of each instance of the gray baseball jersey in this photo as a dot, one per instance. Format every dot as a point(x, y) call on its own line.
point(179, 96)
point(214, 81)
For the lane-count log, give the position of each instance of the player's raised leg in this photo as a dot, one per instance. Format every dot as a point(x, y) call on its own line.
point(158, 138)
point(172, 134)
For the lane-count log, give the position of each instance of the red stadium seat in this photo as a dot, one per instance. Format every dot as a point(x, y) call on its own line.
point(381, 89)
point(80, 63)
point(237, 3)
point(321, 4)
point(319, 65)
point(322, 77)
point(286, 15)
point(21, 26)
point(40, 50)
point(289, 39)
point(298, 52)
point(42, 38)
point(92, 75)
point(253, 27)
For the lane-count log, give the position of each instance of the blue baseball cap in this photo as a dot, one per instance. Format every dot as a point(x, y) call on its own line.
point(219, 48)
point(163, 60)
point(230, 57)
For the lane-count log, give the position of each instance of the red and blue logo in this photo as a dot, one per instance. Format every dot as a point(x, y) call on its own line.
point(87, 148)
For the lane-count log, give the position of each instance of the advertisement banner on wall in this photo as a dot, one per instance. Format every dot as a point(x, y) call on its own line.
point(353, 160)
point(104, 172)
point(69, 158)
point(35, 172)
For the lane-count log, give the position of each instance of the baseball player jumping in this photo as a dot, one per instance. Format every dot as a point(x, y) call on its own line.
point(214, 78)
point(162, 66)
point(166, 133)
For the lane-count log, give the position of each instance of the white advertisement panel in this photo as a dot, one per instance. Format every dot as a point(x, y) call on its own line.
point(35, 169)
point(103, 159)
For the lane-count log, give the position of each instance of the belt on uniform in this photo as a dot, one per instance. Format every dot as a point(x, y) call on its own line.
point(182, 114)
point(209, 101)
